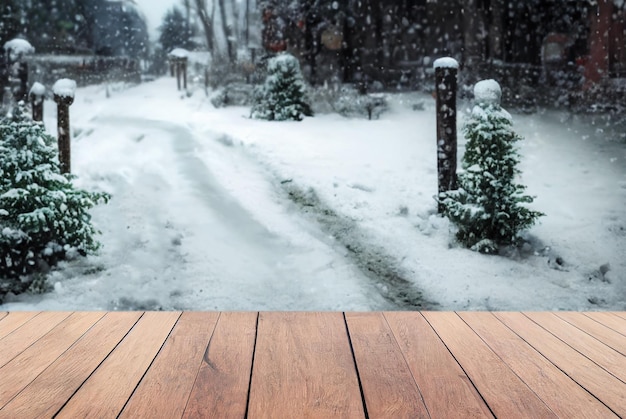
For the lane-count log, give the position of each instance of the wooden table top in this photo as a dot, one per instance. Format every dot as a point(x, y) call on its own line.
point(312, 365)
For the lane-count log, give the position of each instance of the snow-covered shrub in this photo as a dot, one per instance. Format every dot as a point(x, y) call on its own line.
point(364, 106)
point(488, 207)
point(234, 94)
point(43, 217)
point(283, 96)
point(348, 102)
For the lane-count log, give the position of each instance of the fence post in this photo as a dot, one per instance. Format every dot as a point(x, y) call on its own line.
point(36, 99)
point(178, 72)
point(63, 91)
point(446, 70)
point(183, 64)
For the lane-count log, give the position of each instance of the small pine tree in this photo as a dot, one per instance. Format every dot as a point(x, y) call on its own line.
point(283, 96)
point(43, 217)
point(488, 208)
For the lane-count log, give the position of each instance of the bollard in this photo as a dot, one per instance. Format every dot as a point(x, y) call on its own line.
point(183, 65)
point(446, 70)
point(36, 95)
point(63, 91)
point(22, 75)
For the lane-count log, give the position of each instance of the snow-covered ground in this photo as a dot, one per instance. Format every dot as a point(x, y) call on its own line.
point(213, 210)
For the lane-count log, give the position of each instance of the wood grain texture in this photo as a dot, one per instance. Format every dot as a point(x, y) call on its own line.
point(505, 393)
point(599, 331)
point(609, 320)
point(620, 314)
point(388, 385)
point(166, 387)
point(447, 391)
point(31, 331)
point(563, 395)
point(222, 384)
point(15, 320)
point(45, 395)
point(26, 366)
point(303, 368)
point(604, 386)
point(609, 359)
point(97, 397)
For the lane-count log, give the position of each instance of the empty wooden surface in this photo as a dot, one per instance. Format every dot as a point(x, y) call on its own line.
point(286, 365)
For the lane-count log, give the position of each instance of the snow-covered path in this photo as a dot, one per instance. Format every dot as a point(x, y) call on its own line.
point(175, 238)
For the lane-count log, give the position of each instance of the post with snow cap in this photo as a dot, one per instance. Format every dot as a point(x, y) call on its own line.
point(446, 70)
point(179, 58)
point(17, 67)
point(37, 91)
point(63, 91)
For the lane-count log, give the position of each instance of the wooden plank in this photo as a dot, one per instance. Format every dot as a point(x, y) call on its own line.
point(620, 314)
point(53, 387)
point(604, 386)
point(505, 393)
point(222, 384)
point(26, 366)
point(563, 395)
point(303, 367)
point(388, 385)
point(447, 391)
point(615, 323)
point(125, 366)
point(3, 314)
point(15, 320)
point(31, 331)
point(599, 331)
point(603, 355)
point(176, 366)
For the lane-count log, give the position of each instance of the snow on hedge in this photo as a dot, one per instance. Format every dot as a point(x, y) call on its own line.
point(487, 92)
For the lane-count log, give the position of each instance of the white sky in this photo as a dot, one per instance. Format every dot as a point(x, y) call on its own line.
point(154, 10)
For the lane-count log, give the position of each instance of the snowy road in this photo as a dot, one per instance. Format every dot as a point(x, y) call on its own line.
point(175, 238)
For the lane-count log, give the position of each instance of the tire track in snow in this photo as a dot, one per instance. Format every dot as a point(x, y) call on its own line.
point(233, 252)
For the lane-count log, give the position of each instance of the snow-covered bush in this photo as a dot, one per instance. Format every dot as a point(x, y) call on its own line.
point(43, 217)
point(488, 207)
point(233, 94)
point(348, 102)
point(365, 106)
point(283, 96)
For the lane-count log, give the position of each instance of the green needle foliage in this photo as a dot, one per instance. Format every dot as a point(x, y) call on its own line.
point(489, 208)
point(283, 96)
point(43, 217)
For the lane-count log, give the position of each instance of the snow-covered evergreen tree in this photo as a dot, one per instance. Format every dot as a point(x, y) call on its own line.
point(489, 206)
point(283, 96)
point(43, 217)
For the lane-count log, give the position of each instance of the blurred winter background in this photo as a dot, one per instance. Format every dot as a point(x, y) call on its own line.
point(212, 209)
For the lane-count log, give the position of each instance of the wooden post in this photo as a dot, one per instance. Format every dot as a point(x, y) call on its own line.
point(446, 70)
point(22, 76)
point(64, 96)
point(172, 63)
point(36, 99)
point(178, 71)
point(183, 64)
